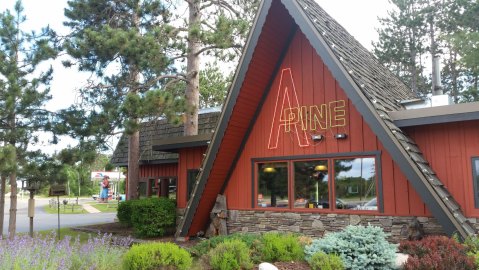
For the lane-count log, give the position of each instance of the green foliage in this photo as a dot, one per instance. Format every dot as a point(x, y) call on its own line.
point(436, 252)
point(124, 212)
point(276, 247)
point(359, 247)
point(232, 254)
point(153, 216)
point(152, 256)
point(24, 89)
point(206, 245)
point(323, 261)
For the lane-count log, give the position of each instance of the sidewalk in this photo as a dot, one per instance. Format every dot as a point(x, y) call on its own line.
point(90, 209)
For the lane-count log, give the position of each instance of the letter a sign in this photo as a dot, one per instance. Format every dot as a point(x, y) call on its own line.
point(285, 118)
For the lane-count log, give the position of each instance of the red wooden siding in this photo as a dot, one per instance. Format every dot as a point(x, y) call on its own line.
point(190, 158)
point(315, 85)
point(273, 39)
point(159, 170)
point(449, 149)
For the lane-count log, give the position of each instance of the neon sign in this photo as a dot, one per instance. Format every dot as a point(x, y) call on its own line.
point(290, 117)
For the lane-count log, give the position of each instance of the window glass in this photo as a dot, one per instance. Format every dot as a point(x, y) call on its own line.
point(475, 173)
point(355, 184)
point(142, 189)
point(191, 178)
point(273, 184)
point(152, 187)
point(172, 188)
point(311, 188)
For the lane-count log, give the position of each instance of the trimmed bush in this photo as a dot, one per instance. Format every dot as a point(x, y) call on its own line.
point(124, 212)
point(153, 216)
point(232, 254)
point(358, 247)
point(277, 247)
point(206, 245)
point(323, 261)
point(436, 252)
point(152, 256)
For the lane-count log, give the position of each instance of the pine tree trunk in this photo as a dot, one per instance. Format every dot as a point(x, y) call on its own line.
point(133, 165)
point(192, 93)
point(134, 139)
point(12, 223)
point(3, 182)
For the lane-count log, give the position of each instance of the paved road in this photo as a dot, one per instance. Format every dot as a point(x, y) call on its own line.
point(44, 221)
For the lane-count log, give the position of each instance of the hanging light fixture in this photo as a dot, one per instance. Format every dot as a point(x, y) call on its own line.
point(321, 168)
point(269, 169)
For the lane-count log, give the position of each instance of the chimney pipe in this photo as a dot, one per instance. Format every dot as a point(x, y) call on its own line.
point(436, 76)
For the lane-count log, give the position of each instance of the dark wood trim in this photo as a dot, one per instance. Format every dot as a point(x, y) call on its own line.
point(173, 144)
point(329, 157)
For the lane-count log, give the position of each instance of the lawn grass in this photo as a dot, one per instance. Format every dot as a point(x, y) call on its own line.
point(78, 209)
point(84, 236)
point(110, 207)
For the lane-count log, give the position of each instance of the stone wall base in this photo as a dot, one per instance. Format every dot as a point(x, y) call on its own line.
point(317, 224)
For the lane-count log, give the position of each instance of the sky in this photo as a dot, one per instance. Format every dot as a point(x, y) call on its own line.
point(359, 18)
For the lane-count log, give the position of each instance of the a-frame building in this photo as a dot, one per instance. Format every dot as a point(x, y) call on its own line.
point(310, 132)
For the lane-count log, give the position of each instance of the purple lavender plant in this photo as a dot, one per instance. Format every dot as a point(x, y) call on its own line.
point(45, 252)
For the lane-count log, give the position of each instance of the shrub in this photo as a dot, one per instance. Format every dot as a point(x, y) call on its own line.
point(151, 217)
point(359, 247)
point(323, 261)
point(124, 212)
point(436, 252)
point(151, 256)
point(276, 247)
point(206, 245)
point(472, 248)
point(230, 255)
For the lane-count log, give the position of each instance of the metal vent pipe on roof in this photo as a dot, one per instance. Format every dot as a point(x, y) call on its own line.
point(436, 76)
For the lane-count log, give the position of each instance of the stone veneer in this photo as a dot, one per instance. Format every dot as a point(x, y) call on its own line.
point(317, 224)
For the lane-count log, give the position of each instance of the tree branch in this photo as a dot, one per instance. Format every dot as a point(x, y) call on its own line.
point(202, 50)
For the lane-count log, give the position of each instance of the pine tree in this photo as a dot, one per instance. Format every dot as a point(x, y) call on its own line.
point(123, 44)
point(23, 93)
point(216, 28)
point(402, 42)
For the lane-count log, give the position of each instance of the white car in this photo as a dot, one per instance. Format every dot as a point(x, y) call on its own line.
point(371, 205)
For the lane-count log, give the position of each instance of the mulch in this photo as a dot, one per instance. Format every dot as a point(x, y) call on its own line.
point(117, 229)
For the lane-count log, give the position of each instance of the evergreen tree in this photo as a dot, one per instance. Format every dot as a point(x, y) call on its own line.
point(23, 93)
point(123, 44)
point(216, 28)
point(402, 42)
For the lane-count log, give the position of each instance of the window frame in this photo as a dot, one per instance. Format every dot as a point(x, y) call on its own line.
point(475, 172)
point(330, 160)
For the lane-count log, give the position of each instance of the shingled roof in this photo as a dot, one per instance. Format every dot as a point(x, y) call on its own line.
point(161, 129)
point(372, 88)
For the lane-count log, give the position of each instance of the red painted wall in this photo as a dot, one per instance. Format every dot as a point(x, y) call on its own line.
point(315, 85)
point(159, 170)
point(190, 158)
point(449, 148)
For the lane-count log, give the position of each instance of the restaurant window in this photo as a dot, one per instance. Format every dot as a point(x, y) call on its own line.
point(355, 183)
point(172, 188)
point(311, 188)
point(273, 184)
point(475, 179)
point(323, 183)
point(152, 188)
point(191, 178)
point(142, 189)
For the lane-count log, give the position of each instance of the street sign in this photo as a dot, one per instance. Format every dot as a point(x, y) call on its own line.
point(58, 190)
